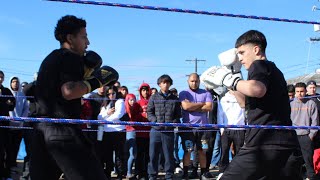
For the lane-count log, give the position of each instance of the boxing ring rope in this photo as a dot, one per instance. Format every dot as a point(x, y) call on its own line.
point(188, 11)
point(211, 127)
point(87, 98)
point(185, 125)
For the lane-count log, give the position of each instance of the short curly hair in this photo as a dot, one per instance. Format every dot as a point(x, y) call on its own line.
point(68, 24)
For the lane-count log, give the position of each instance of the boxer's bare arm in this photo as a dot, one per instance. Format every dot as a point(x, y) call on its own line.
point(239, 97)
point(73, 90)
point(251, 88)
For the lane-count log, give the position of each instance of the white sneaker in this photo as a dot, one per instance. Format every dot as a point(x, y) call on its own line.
point(219, 176)
point(114, 173)
point(178, 170)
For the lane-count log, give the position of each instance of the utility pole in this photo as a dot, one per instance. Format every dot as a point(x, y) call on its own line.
point(311, 40)
point(196, 63)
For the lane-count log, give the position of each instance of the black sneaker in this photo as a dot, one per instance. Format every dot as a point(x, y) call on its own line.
point(212, 167)
point(119, 177)
point(194, 175)
point(206, 176)
point(185, 176)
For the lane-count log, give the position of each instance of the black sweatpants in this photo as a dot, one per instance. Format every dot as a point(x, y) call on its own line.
point(4, 164)
point(211, 138)
point(15, 138)
point(114, 141)
point(141, 165)
point(27, 136)
point(306, 146)
point(256, 163)
point(230, 136)
point(58, 148)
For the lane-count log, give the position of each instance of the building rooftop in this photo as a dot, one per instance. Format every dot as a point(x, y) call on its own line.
point(305, 78)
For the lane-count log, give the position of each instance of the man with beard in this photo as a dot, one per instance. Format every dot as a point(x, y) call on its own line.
point(196, 103)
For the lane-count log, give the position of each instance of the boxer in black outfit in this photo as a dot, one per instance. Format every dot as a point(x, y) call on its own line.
point(65, 75)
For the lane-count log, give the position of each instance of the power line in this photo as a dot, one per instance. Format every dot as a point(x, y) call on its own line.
point(195, 63)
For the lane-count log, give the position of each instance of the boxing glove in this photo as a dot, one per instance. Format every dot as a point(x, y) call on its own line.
point(92, 62)
point(230, 59)
point(104, 76)
point(224, 77)
point(205, 77)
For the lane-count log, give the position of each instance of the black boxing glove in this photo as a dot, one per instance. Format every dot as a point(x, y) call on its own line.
point(92, 62)
point(105, 76)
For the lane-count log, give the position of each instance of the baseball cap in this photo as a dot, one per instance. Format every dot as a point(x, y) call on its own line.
point(312, 82)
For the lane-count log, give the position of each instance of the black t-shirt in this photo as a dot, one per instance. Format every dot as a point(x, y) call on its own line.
point(59, 67)
point(271, 109)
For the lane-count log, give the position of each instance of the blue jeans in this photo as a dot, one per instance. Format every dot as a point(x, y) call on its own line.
point(216, 150)
point(165, 141)
point(132, 148)
point(176, 150)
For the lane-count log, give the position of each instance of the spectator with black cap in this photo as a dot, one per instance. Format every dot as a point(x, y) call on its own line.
point(312, 91)
point(312, 88)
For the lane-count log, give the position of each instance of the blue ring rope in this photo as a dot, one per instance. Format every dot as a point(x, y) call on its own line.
point(4, 96)
point(133, 6)
point(186, 125)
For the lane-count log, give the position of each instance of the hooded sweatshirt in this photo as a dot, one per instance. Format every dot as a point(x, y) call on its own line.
point(22, 106)
point(133, 111)
point(119, 112)
point(304, 113)
point(143, 103)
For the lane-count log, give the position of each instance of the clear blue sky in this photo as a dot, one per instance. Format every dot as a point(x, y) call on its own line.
point(143, 44)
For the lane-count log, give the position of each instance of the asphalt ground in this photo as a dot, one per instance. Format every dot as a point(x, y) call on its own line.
point(18, 172)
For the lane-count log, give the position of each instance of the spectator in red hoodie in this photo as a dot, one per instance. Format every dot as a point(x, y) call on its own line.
point(132, 109)
point(142, 138)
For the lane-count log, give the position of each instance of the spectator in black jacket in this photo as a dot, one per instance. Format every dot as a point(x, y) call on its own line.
point(163, 107)
point(6, 104)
